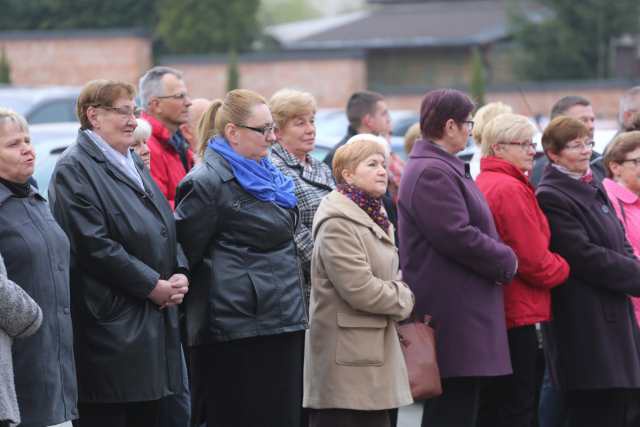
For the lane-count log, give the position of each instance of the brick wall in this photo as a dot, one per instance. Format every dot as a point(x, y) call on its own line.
point(331, 80)
point(73, 58)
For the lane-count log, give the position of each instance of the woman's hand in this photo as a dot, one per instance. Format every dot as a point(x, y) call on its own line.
point(170, 292)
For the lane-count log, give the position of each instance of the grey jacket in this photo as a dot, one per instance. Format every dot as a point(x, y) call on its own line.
point(20, 316)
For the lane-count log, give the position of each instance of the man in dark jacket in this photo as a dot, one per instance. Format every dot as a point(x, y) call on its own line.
point(579, 108)
point(166, 103)
point(367, 113)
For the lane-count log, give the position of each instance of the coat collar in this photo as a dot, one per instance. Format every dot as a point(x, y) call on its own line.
point(428, 149)
point(619, 192)
point(158, 129)
point(336, 204)
point(553, 178)
point(216, 162)
point(6, 194)
point(495, 164)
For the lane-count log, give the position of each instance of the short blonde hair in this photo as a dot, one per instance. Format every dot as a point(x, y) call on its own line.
point(356, 150)
point(484, 115)
point(236, 107)
point(8, 115)
point(142, 131)
point(410, 138)
point(287, 104)
point(505, 128)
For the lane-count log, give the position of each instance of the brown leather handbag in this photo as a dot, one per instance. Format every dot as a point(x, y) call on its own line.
point(418, 344)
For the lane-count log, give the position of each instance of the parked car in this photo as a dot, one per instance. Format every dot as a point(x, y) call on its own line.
point(51, 104)
point(50, 141)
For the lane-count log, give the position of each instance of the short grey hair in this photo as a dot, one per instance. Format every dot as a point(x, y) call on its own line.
point(627, 101)
point(7, 115)
point(150, 83)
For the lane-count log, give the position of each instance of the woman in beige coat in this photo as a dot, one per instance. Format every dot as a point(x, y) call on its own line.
point(354, 371)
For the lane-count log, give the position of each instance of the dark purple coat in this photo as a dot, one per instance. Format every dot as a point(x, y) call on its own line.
point(594, 330)
point(453, 260)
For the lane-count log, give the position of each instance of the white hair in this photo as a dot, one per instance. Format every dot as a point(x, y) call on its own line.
point(150, 83)
point(8, 115)
point(374, 138)
point(142, 131)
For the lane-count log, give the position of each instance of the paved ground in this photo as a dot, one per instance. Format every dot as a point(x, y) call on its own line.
point(410, 416)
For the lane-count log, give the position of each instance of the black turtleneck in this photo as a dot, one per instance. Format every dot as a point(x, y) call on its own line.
point(18, 190)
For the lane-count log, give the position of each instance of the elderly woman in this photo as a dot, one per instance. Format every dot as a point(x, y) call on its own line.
point(294, 115)
point(482, 117)
point(36, 253)
point(622, 166)
point(20, 316)
point(453, 260)
point(507, 157)
point(236, 216)
point(141, 134)
point(354, 368)
point(126, 268)
point(594, 332)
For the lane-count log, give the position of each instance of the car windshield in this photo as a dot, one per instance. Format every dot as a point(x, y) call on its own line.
point(19, 105)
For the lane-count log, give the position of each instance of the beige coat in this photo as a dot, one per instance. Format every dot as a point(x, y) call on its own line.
point(353, 358)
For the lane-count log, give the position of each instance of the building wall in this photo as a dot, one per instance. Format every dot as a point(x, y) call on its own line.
point(328, 79)
point(76, 60)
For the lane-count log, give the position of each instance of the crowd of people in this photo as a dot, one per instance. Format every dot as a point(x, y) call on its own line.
point(192, 264)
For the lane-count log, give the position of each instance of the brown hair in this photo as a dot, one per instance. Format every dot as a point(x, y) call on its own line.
point(286, 104)
point(622, 145)
point(234, 108)
point(356, 150)
point(101, 93)
point(561, 131)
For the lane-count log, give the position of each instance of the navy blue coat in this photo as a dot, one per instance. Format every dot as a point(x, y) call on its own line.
point(594, 331)
point(36, 253)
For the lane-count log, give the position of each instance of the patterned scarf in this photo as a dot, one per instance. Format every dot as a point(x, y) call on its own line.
point(371, 205)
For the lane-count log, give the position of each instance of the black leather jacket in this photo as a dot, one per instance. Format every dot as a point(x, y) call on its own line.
point(123, 240)
point(246, 278)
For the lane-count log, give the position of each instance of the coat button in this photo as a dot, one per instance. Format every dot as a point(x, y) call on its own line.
point(66, 310)
point(605, 209)
point(163, 232)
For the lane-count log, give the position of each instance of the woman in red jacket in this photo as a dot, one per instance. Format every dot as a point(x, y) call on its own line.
point(507, 158)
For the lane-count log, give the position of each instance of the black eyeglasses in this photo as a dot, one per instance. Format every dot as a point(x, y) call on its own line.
point(523, 145)
point(123, 111)
point(636, 161)
point(178, 96)
point(265, 130)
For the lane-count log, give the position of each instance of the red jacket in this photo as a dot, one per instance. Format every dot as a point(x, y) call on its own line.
point(522, 225)
point(167, 169)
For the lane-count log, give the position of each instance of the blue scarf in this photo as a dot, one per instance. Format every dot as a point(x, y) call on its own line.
point(261, 179)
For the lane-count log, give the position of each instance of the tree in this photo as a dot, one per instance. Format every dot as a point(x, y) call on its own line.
point(273, 12)
point(478, 81)
point(233, 73)
point(574, 41)
point(5, 69)
point(203, 26)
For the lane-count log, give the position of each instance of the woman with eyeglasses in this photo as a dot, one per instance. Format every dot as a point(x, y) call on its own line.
point(594, 336)
point(507, 158)
point(245, 315)
point(622, 166)
point(452, 258)
point(127, 271)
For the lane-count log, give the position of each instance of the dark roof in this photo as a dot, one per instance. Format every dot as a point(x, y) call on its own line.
point(436, 23)
point(74, 34)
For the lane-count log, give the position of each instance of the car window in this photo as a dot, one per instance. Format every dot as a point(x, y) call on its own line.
point(18, 105)
point(57, 111)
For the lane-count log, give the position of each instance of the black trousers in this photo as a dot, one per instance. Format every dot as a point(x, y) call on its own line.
point(348, 418)
point(129, 414)
point(510, 401)
point(458, 405)
point(603, 408)
point(254, 382)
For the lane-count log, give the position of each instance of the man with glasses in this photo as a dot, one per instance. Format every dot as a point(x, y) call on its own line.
point(166, 103)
